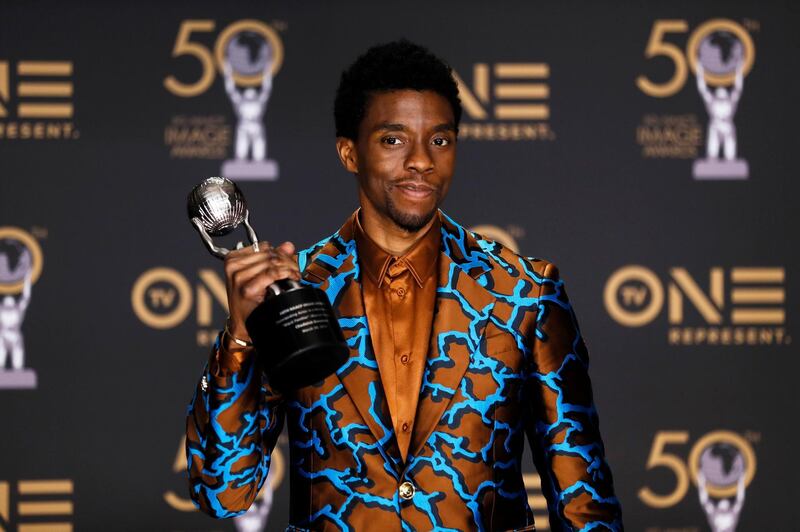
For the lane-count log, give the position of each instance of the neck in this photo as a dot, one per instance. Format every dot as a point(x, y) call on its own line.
point(388, 235)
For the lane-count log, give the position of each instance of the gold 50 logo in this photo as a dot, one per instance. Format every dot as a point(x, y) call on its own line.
point(238, 53)
point(659, 46)
point(212, 59)
point(717, 463)
point(719, 54)
point(163, 298)
point(742, 305)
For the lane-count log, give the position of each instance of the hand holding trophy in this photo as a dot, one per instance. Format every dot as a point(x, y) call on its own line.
point(294, 329)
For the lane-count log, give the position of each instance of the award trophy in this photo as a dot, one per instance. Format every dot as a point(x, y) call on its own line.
point(295, 331)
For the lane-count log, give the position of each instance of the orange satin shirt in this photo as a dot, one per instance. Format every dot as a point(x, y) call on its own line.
point(399, 296)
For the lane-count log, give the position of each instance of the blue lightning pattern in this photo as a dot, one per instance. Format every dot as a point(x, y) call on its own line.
point(448, 448)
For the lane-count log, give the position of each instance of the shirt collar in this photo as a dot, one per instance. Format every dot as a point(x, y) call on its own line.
point(421, 259)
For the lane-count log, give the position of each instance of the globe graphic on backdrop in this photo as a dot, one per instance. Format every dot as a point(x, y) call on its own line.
point(722, 464)
point(15, 261)
point(248, 53)
point(720, 52)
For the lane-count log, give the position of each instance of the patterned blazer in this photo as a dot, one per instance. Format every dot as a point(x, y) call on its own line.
point(506, 360)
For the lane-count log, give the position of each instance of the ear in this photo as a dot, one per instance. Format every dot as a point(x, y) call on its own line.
point(346, 149)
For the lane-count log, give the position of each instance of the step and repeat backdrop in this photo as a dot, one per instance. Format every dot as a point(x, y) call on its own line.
point(649, 150)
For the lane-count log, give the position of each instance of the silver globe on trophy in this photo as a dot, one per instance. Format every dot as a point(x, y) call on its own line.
point(295, 331)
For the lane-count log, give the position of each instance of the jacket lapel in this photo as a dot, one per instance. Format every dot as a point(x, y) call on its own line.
point(335, 270)
point(463, 309)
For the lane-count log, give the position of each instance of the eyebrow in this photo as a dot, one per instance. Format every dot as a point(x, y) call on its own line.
point(388, 126)
point(447, 126)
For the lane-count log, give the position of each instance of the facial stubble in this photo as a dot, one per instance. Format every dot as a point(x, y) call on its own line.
point(410, 222)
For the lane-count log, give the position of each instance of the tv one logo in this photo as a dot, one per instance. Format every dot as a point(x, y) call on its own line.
point(734, 306)
point(163, 298)
point(506, 101)
point(36, 100)
point(41, 504)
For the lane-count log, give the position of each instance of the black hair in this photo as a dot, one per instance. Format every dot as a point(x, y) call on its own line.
point(385, 67)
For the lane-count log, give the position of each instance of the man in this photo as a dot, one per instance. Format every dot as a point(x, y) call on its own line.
point(458, 347)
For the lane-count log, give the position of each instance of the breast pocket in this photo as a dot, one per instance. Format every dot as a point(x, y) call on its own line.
point(502, 348)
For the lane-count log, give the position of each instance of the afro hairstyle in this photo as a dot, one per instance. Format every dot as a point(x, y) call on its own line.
point(396, 65)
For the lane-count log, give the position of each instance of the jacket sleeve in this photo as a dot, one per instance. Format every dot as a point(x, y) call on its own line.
point(232, 425)
point(562, 424)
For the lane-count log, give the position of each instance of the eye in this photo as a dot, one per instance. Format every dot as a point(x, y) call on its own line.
point(441, 141)
point(392, 141)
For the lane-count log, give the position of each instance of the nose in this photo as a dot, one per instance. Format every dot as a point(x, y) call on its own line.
point(419, 158)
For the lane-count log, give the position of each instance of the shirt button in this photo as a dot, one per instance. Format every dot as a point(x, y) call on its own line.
point(405, 427)
point(401, 292)
point(404, 358)
point(406, 490)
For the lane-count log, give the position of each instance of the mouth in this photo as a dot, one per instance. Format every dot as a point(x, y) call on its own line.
point(415, 191)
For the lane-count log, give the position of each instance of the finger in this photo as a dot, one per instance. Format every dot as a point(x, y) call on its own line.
point(256, 288)
point(286, 262)
point(233, 268)
point(242, 257)
point(287, 248)
point(248, 250)
point(286, 252)
point(284, 273)
point(244, 276)
point(271, 268)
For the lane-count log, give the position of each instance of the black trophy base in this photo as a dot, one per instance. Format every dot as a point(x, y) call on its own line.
point(307, 366)
point(297, 338)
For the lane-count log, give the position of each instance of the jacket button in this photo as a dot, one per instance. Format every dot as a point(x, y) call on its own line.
point(406, 490)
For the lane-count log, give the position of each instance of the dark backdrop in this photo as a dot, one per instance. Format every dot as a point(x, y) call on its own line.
point(592, 173)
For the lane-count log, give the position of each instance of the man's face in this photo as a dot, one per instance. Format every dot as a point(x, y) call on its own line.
point(404, 156)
